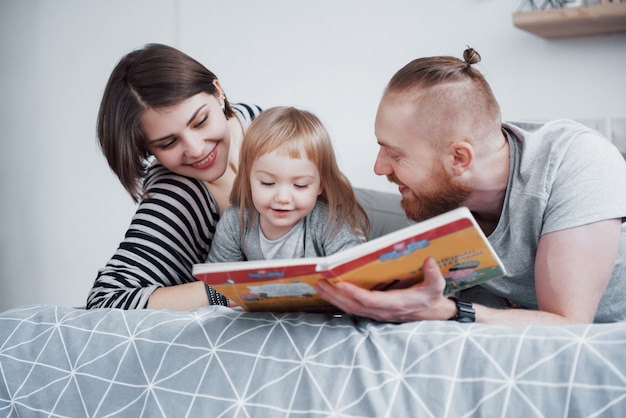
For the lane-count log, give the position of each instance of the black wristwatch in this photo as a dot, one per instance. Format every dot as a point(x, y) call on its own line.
point(465, 311)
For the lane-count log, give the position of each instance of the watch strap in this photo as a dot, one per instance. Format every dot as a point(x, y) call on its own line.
point(465, 311)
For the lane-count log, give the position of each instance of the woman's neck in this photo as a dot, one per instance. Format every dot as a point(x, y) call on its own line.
point(222, 186)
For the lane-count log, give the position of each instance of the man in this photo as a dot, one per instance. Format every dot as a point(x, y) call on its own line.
point(550, 197)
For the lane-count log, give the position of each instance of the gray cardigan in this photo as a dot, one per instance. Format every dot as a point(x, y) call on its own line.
point(227, 245)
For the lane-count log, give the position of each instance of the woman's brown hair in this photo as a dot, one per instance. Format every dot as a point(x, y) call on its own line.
point(153, 76)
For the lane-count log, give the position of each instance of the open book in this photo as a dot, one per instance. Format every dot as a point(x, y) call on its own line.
point(392, 261)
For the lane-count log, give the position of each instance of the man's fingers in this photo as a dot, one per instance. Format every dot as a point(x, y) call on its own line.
point(433, 279)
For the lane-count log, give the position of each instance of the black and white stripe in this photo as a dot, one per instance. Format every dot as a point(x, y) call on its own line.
point(172, 229)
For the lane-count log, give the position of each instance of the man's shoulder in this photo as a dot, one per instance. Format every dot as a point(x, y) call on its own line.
point(561, 138)
point(558, 129)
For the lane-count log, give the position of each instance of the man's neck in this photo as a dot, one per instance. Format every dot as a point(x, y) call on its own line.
point(490, 180)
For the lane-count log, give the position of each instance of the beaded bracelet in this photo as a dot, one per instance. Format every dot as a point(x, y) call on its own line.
point(215, 298)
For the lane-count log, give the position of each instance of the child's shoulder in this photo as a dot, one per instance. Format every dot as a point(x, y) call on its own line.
point(232, 213)
point(231, 216)
point(319, 212)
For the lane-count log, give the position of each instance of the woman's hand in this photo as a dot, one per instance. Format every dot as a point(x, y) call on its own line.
point(422, 301)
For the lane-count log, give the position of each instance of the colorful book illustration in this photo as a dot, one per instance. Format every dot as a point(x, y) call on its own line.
point(389, 262)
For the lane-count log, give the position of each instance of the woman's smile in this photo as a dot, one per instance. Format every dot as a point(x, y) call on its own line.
point(207, 161)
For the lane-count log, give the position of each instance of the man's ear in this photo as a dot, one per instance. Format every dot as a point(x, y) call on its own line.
point(462, 156)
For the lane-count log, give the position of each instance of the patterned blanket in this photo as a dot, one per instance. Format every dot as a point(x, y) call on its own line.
point(217, 362)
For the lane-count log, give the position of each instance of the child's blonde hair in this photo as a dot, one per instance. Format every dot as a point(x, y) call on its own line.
point(297, 134)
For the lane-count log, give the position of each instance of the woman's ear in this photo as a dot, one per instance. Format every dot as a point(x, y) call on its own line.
point(219, 92)
point(218, 86)
point(462, 156)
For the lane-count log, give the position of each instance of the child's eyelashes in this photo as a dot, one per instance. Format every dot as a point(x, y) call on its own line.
point(272, 183)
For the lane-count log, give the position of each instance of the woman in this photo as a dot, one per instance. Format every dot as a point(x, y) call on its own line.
point(168, 131)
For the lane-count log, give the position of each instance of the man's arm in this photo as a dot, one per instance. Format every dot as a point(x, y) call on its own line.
point(572, 270)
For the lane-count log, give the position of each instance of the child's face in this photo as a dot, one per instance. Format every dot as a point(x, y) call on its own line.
point(284, 190)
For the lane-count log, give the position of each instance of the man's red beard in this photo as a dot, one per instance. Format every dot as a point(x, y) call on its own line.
point(442, 194)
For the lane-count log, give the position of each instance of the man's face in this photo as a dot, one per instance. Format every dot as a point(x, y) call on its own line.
point(408, 158)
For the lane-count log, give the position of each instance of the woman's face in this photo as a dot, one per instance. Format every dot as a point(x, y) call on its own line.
point(190, 138)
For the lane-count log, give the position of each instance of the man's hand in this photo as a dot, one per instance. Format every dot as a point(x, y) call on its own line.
point(422, 301)
point(558, 265)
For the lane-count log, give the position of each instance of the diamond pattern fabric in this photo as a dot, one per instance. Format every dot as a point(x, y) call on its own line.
point(217, 362)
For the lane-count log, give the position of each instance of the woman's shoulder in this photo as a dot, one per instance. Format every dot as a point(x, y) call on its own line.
point(246, 113)
point(163, 185)
point(157, 174)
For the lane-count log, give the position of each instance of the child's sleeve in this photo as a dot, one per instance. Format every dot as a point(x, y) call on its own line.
point(227, 245)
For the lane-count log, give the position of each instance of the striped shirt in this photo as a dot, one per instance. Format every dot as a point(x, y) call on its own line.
point(171, 231)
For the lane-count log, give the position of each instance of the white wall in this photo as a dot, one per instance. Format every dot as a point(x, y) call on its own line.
point(62, 213)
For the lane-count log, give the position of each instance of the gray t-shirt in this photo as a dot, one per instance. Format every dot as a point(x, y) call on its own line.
point(562, 175)
point(317, 240)
point(287, 246)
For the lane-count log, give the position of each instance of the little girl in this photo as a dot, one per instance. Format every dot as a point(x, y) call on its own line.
point(289, 198)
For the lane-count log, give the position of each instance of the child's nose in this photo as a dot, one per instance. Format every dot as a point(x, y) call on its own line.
point(283, 195)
